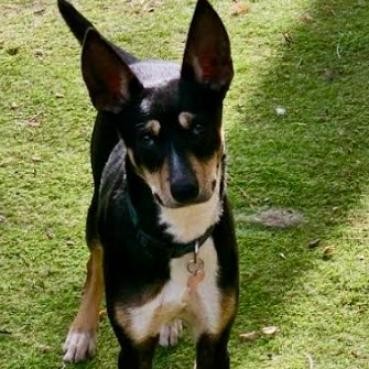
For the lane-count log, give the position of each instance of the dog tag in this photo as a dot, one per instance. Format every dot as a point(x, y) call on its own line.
point(195, 266)
point(194, 280)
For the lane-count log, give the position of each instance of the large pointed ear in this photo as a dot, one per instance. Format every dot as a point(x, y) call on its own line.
point(109, 80)
point(207, 58)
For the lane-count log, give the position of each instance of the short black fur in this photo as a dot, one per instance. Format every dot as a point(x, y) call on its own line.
point(129, 94)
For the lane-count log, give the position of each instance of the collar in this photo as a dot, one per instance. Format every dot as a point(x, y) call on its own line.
point(172, 249)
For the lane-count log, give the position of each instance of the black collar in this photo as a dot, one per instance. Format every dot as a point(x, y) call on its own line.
point(170, 248)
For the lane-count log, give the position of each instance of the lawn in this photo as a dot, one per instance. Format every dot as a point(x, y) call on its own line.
point(307, 59)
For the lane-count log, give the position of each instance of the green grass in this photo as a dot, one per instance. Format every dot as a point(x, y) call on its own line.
point(314, 159)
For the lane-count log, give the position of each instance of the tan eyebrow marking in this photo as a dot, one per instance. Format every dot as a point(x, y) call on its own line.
point(185, 119)
point(153, 126)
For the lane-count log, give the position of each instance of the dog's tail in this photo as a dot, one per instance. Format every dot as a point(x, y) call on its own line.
point(77, 23)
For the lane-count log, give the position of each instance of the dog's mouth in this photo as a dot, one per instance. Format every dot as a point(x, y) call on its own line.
point(178, 205)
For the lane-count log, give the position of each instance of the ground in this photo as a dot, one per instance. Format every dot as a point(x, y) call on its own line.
point(296, 122)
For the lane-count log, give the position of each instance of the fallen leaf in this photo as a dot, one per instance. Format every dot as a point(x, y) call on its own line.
point(36, 159)
point(314, 244)
point(102, 314)
point(328, 252)
point(280, 111)
point(44, 348)
point(39, 11)
point(270, 331)
point(239, 8)
point(49, 233)
point(288, 39)
point(39, 53)
point(249, 336)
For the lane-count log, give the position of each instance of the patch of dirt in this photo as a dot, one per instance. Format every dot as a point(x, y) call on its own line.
point(277, 218)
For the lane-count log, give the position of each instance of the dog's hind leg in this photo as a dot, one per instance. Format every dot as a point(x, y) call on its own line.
point(81, 340)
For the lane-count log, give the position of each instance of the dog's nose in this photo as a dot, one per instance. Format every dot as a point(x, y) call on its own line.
point(183, 182)
point(184, 191)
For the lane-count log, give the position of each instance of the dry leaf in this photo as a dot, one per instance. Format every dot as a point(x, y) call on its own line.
point(249, 336)
point(270, 331)
point(39, 53)
point(36, 159)
point(44, 348)
point(102, 314)
point(49, 234)
point(39, 11)
point(314, 244)
point(280, 111)
point(287, 38)
point(328, 252)
point(239, 8)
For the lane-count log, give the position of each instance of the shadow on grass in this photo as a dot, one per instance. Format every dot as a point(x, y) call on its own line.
point(314, 158)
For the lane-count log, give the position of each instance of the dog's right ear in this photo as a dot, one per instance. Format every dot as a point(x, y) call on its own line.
point(110, 82)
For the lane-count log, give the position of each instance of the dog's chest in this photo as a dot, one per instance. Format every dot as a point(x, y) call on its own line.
point(195, 300)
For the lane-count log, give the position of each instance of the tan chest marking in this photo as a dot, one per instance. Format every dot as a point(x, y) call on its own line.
point(197, 301)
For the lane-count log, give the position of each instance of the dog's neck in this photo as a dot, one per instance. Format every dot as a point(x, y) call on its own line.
point(180, 225)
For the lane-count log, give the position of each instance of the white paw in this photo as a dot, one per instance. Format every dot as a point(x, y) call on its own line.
point(169, 334)
point(79, 346)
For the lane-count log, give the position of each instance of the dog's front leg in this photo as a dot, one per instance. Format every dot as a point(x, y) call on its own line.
point(137, 356)
point(212, 351)
point(81, 340)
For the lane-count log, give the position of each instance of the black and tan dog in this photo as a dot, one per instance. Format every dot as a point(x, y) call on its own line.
point(159, 226)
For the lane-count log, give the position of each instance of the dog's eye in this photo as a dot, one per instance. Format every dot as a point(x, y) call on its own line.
point(198, 129)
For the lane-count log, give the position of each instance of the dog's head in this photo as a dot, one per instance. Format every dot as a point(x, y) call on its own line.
point(172, 130)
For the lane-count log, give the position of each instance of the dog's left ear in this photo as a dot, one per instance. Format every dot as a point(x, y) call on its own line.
point(110, 82)
point(207, 58)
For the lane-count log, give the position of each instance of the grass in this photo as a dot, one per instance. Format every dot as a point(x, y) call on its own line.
point(308, 56)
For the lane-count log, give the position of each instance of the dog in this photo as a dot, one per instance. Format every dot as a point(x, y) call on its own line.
point(159, 228)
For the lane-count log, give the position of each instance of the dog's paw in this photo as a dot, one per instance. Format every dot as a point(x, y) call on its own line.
point(170, 333)
point(79, 346)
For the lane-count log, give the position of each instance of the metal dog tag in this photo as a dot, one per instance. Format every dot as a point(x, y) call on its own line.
point(195, 266)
